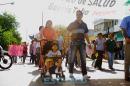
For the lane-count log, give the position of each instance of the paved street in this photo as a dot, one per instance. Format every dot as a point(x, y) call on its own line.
point(28, 75)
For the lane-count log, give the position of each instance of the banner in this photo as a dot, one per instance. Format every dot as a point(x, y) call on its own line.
point(95, 8)
point(92, 9)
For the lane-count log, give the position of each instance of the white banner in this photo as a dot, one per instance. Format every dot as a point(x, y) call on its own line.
point(95, 8)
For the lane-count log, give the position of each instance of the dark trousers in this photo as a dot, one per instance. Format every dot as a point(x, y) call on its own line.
point(14, 59)
point(98, 63)
point(74, 47)
point(37, 58)
point(31, 57)
point(34, 60)
point(24, 58)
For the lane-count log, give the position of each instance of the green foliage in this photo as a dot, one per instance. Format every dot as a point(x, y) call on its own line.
point(8, 30)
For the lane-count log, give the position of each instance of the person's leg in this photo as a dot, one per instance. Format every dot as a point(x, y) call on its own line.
point(16, 59)
point(47, 63)
point(35, 59)
point(78, 59)
point(127, 62)
point(113, 56)
point(97, 60)
point(31, 56)
point(23, 59)
point(73, 50)
point(82, 52)
point(59, 63)
point(75, 61)
point(100, 59)
point(110, 59)
point(32, 59)
point(58, 66)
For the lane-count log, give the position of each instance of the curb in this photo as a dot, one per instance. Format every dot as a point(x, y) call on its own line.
point(35, 81)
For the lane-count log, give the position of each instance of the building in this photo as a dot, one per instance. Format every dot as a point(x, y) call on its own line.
point(107, 26)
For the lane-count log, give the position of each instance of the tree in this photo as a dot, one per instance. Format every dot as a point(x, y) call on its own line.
point(8, 30)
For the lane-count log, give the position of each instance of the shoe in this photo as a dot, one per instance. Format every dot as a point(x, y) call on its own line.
point(56, 71)
point(47, 73)
point(86, 77)
point(71, 75)
point(111, 68)
point(100, 68)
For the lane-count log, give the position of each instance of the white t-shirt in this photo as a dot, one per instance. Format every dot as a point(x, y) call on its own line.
point(51, 53)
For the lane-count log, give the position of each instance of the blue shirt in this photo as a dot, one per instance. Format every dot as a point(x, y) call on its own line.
point(125, 25)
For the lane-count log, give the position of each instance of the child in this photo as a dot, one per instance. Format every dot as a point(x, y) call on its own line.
point(49, 62)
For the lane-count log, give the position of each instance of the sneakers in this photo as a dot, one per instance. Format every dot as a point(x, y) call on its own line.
point(71, 75)
point(56, 71)
point(85, 77)
point(47, 73)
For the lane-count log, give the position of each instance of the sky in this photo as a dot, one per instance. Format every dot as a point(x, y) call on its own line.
point(62, 12)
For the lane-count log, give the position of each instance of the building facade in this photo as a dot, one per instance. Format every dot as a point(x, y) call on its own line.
point(107, 26)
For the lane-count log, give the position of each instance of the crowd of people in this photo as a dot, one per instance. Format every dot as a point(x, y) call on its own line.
point(18, 50)
point(75, 49)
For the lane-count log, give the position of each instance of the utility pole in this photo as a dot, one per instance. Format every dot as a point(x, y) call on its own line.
point(42, 18)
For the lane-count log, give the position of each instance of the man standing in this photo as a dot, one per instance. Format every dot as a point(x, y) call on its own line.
point(78, 30)
point(125, 26)
point(99, 47)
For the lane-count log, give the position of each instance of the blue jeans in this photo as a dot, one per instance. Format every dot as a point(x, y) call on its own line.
point(111, 59)
point(74, 47)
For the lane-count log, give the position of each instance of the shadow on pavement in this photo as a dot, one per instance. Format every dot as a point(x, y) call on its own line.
point(118, 70)
point(92, 82)
point(4, 70)
point(109, 71)
point(35, 72)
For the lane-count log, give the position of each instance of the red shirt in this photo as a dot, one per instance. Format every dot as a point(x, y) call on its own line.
point(49, 34)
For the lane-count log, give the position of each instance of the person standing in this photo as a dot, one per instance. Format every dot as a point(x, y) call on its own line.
point(38, 38)
point(24, 51)
point(78, 31)
point(99, 48)
point(125, 26)
point(31, 51)
point(49, 33)
point(110, 49)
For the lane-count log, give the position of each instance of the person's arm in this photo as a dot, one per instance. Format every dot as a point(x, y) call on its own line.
point(106, 46)
point(70, 27)
point(49, 54)
point(123, 26)
point(95, 43)
point(86, 36)
point(124, 33)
